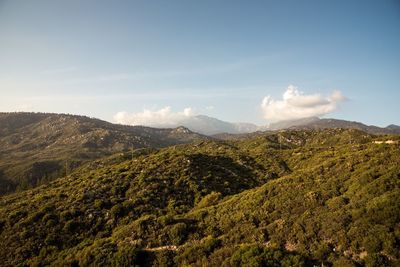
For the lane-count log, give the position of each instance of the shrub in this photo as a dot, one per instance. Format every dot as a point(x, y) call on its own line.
point(126, 256)
point(164, 258)
point(116, 211)
point(209, 200)
point(261, 256)
point(71, 226)
point(178, 233)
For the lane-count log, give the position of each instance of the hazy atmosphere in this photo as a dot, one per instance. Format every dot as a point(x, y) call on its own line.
point(146, 62)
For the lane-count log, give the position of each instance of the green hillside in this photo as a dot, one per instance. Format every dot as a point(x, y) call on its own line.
point(291, 198)
point(38, 147)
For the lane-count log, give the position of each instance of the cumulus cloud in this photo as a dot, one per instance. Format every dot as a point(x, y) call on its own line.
point(296, 105)
point(163, 117)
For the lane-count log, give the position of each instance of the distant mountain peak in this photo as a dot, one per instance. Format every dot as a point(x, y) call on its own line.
point(182, 129)
point(290, 123)
point(207, 125)
point(393, 127)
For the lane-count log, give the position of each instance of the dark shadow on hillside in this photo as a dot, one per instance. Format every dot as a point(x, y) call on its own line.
point(5, 184)
point(221, 174)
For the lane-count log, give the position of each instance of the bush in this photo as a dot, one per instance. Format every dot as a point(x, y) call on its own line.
point(343, 262)
point(178, 233)
point(71, 226)
point(100, 253)
point(116, 211)
point(126, 256)
point(165, 220)
point(372, 244)
point(210, 244)
point(376, 260)
point(164, 258)
point(261, 256)
point(209, 200)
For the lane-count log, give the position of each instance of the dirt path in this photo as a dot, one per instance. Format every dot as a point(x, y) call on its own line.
point(171, 247)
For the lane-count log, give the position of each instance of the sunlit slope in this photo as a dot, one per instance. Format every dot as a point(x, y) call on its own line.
point(291, 198)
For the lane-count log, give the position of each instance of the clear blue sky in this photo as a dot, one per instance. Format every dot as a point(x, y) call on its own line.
point(221, 58)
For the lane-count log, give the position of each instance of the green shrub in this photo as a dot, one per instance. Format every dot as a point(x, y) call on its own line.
point(259, 256)
point(209, 200)
point(164, 258)
point(116, 211)
point(126, 256)
point(71, 226)
point(178, 233)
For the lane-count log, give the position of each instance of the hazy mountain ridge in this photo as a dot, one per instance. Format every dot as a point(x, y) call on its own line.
point(211, 126)
point(314, 123)
point(293, 198)
point(335, 123)
point(291, 123)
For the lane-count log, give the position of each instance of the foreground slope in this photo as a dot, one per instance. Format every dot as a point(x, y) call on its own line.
point(342, 208)
point(292, 198)
point(38, 147)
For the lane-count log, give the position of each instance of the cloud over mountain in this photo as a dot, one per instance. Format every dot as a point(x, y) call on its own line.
point(166, 118)
point(296, 105)
point(163, 117)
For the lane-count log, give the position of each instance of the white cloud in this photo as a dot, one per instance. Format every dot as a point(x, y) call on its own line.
point(24, 107)
point(296, 105)
point(164, 117)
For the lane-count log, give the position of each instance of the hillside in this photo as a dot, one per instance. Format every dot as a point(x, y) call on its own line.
point(312, 123)
point(320, 124)
point(38, 147)
point(293, 198)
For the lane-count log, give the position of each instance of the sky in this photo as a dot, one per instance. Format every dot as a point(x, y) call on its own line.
point(239, 61)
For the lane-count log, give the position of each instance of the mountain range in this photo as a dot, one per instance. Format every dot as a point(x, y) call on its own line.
point(36, 148)
point(211, 126)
